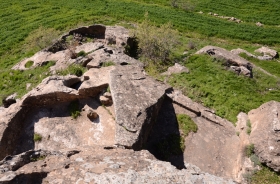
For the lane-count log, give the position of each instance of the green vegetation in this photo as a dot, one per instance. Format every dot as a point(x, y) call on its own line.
point(265, 176)
point(73, 69)
point(81, 53)
point(210, 84)
point(28, 64)
point(108, 63)
point(16, 81)
point(34, 159)
point(186, 124)
point(74, 109)
point(155, 43)
point(255, 159)
point(37, 137)
point(249, 127)
point(249, 150)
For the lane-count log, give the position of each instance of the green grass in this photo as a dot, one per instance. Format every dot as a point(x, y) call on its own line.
point(265, 176)
point(37, 137)
point(213, 86)
point(73, 69)
point(28, 64)
point(81, 53)
point(249, 150)
point(15, 80)
point(108, 63)
point(74, 109)
point(186, 124)
point(19, 18)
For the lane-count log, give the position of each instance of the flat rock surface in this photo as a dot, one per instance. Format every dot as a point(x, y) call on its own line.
point(265, 133)
point(96, 81)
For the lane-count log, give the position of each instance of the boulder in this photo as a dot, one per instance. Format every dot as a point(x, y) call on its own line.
point(106, 166)
point(9, 100)
point(52, 90)
point(259, 24)
point(267, 51)
point(265, 122)
point(137, 99)
point(97, 81)
point(230, 58)
point(176, 69)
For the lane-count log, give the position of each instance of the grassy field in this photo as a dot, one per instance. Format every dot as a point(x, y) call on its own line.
point(19, 18)
point(209, 83)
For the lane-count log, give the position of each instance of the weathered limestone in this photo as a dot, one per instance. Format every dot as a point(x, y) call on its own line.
point(137, 99)
point(268, 52)
point(96, 81)
point(107, 166)
point(230, 58)
point(265, 135)
point(53, 90)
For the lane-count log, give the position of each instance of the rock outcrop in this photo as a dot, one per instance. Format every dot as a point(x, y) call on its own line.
point(107, 45)
point(106, 166)
point(267, 53)
point(265, 135)
point(233, 61)
point(222, 143)
point(137, 99)
point(104, 126)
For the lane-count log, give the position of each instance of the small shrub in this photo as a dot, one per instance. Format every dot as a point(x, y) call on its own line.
point(34, 159)
point(28, 64)
point(248, 131)
point(108, 89)
point(255, 159)
point(155, 43)
point(81, 53)
point(249, 127)
point(74, 109)
point(248, 123)
point(37, 137)
point(249, 150)
point(237, 133)
point(186, 124)
point(248, 176)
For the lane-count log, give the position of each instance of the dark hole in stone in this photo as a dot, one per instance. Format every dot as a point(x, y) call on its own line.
point(132, 48)
point(108, 51)
point(124, 63)
point(76, 85)
point(108, 147)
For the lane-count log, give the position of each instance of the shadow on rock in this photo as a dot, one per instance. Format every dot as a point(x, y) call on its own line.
point(164, 141)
